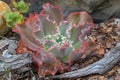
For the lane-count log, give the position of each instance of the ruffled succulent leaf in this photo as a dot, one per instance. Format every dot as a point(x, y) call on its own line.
point(86, 29)
point(74, 35)
point(86, 48)
point(54, 13)
point(46, 26)
point(79, 18)
point(64, 28)
point(66, 54)
point(75, 56)
point(48, 64)
point(62, 53)
point(82, 25)
point(48, 45)
point(26, 31)
point(37, 27)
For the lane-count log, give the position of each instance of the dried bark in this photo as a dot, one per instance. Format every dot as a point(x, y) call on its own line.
point(107, 62)
point(15, 62)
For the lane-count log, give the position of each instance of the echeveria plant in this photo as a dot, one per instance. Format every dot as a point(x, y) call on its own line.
point(55, 43)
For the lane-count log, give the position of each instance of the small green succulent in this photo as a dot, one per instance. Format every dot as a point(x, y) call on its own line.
point(15, 17)
point(21, 6)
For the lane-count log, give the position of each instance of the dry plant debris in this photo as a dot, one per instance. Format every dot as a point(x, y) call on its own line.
point(106, 35)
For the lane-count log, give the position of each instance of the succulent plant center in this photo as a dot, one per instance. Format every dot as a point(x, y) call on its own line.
point(58, 39)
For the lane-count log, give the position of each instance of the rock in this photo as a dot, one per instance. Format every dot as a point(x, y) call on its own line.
point(109, 9)
point(101, 10)
point(3, 28)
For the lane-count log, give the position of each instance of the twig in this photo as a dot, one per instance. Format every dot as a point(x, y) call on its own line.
point(17, 61)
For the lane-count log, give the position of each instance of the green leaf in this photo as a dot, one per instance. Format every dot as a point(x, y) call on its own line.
point(13, 18)
point(21, 6)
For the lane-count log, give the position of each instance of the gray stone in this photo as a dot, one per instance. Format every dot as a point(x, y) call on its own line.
point(101, 10)
point(109, 9)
